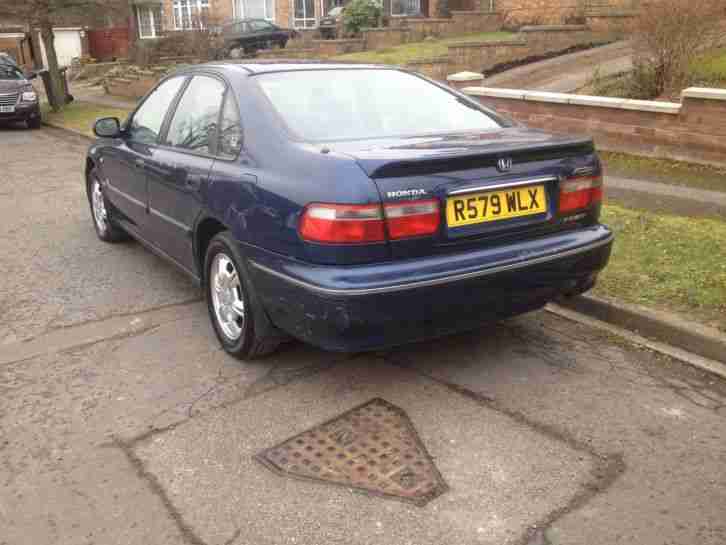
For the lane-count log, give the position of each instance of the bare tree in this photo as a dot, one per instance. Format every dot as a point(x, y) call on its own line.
point(42, 15)
point(669, 34)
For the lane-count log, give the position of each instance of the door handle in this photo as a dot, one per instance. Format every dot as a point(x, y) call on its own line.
point(140, 163)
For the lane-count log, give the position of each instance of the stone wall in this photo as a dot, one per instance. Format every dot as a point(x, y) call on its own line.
point(460, 22)
point(130, 88)
point(692, 130)
point(480, 56)
point(331, 48)
point(382, 38)
point(422, 28)
point(548, 12)
point(539, 12)
point(469, 22)
point(612, 22)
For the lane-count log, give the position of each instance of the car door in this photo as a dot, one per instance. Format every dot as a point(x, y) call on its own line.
point(260, 33)
point(124, 165)
point(178, 170)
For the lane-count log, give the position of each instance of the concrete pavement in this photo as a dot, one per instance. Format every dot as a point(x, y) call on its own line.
point(129, 425)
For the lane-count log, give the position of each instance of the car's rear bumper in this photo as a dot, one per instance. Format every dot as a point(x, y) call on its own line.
point(367, 307)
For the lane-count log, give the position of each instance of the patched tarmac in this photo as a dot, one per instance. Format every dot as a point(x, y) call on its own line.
point(123, 422)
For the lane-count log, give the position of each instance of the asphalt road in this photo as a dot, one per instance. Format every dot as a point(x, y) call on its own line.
point(122, 421)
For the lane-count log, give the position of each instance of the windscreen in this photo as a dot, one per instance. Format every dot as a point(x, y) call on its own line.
point(330, 105)
point(8, 71)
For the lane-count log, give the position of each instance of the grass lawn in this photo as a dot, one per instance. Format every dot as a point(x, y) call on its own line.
point(711, 69)
point(664, 171)
point(419, 50)
point(667, 262)
point(80, 116)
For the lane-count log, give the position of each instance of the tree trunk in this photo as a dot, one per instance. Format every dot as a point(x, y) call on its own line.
point(56, 92)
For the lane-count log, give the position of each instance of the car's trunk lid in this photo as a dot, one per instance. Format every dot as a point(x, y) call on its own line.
point(457, 168)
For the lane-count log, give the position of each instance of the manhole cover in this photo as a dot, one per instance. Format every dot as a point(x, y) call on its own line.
point(373, 448)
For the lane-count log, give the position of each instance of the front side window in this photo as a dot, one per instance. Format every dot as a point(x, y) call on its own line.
point(329, 105)
point(191, 14)
point(146, 124)
point(194, 124)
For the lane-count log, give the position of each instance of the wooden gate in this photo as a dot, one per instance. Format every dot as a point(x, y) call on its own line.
point(107, 44)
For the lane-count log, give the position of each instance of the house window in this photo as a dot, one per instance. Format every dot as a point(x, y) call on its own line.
point(149, 21)
point(255, 9)
point(405, 7)
point(190, 14)
point(304, 14)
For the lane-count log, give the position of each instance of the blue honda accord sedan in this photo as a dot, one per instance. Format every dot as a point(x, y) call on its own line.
point(353, 207)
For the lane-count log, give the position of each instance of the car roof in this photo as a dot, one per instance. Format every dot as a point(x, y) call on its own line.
point(281, 65)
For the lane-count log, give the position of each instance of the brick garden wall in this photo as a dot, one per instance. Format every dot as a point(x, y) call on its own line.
point(693, 130)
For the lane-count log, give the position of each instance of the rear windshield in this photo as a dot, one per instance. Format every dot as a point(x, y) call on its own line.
point(329, 105)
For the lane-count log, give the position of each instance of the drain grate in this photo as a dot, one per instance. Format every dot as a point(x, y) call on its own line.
point(372, 448)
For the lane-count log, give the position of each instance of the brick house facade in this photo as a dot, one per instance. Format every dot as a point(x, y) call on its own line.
point(154, 17)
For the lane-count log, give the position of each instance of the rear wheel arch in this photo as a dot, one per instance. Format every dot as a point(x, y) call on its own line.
point(206, 230)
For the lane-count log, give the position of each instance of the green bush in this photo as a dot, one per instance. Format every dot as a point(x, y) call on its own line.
point(360, 14)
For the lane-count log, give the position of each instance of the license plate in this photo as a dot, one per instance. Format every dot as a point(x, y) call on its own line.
point(496, 205)
point(7, 109)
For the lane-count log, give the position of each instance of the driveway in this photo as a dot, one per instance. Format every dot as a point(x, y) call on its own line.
point(567, 73)
point(122, 421)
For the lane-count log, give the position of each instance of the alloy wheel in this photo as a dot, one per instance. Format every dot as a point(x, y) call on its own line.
point(98, 205)
point(227, 296)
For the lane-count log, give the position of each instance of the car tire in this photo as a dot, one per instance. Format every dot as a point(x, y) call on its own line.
point(34, 123)
point(232, 302)
point(106, 229)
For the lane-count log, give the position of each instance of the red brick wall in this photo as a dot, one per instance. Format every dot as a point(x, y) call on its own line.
point(693, 131)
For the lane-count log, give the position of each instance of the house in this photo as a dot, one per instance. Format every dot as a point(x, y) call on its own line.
point(14, 41)
point(28, 50)
point(154, 17)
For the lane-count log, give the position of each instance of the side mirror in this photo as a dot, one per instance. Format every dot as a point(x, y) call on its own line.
point(107, 127)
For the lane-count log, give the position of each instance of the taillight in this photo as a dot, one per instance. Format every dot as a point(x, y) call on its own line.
point(342, 223)
point(580, 192)
point(353, 223)
point(412, 219)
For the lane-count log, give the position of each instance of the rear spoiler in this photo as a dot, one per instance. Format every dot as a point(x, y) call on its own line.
point(382, 168)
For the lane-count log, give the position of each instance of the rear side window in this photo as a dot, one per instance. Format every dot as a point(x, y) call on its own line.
point(194, 125)
point(230, 130)
point(147, 121)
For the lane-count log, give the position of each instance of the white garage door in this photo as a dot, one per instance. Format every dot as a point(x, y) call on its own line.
point(67, 46)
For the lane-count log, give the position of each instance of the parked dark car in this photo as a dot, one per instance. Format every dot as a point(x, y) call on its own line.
point(353, 207)
point(249, 35)
point(18, 100)
point(330, 25)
